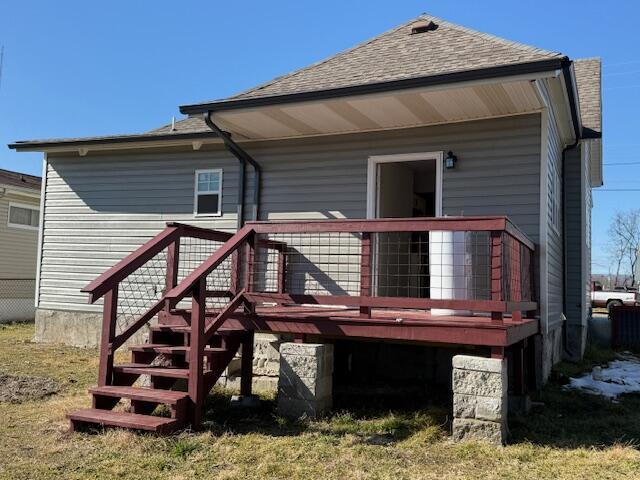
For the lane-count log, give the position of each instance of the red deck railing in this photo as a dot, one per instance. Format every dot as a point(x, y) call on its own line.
point(478, 264)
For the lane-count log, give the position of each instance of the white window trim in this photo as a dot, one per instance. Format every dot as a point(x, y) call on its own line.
point(195, 193)
point(17, 225)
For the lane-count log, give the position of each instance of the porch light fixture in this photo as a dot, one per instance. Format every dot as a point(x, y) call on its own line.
point(450, 161)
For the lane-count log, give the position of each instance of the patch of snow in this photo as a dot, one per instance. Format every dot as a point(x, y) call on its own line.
point(618, 377)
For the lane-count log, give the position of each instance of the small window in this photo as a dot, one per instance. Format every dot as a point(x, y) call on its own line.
point(23, 216)
point(208, 193)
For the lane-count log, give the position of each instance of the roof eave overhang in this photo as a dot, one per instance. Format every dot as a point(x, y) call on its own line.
point(571, 89)
point(379, 87)
point(13, 189)
point(590, 134)
point(106, 143)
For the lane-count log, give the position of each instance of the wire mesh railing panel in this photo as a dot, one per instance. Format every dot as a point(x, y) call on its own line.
point(139, 291)
point(193, 252)
point(316, 263)
point(517, 279)
point(441, 265)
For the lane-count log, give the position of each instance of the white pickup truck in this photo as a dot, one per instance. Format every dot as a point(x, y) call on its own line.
point(611, 298)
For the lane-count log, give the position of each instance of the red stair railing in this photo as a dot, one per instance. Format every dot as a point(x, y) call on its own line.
point(158, 256)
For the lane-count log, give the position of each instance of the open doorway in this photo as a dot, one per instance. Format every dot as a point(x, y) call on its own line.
point(404, 186)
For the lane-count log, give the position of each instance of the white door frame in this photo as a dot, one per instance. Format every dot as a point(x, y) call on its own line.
point(373, 179)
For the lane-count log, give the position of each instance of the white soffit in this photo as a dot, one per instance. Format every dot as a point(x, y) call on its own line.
point(389, 110)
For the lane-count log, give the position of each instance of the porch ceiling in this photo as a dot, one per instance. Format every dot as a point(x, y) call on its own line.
point(381, 111)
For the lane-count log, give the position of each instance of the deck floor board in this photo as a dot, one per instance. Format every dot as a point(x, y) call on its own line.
point(388, 324)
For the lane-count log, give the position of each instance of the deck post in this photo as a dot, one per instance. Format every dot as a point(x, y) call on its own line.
point(365, 272)
point(532, 282)
point(516, 276)
point(496, 272)
point(519, 399)
point(196, 352)
point(518, 359)
point(235, 273)
point(171, 277)
point(497, 352)
point(246, 364)
point(250, 259)
point(109, 317)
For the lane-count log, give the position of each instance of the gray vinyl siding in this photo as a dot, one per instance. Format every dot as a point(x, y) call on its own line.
point(100, 207)
point(18, 246)
point(497, 173)
point(588, 206)
point(555, 267)
point(578, 212)
point(574, 211)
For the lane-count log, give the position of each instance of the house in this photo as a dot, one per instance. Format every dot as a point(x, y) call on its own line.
point(19, 220)
point(430, 186)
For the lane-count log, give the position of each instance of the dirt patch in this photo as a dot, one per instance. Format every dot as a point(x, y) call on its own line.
point(18, 389)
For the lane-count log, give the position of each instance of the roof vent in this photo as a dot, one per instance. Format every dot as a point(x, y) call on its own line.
point(423, 26)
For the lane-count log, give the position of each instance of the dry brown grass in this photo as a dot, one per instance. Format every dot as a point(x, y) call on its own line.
point(35, 444)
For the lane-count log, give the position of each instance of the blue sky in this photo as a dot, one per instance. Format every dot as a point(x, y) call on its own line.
point(77, 68)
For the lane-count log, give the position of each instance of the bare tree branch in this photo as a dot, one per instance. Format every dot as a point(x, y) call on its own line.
point(624, 243)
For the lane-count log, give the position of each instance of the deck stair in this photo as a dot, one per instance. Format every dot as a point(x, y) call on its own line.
point(168, 379)
point(188, 350)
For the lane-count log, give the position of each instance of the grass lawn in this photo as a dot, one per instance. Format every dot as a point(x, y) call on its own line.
point(572, 437)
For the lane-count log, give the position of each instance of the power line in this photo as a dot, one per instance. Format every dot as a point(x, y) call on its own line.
point(622, 86)
point(616, 189)
point(621, 163)
point(628, 62)
point(616, 74)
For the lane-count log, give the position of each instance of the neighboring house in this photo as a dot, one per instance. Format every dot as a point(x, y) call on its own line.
point(429, 119)
point(19, 220)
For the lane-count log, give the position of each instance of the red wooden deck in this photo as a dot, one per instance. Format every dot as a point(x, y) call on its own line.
point(360, 279)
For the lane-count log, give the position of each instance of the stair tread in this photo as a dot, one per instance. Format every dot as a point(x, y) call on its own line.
point(122, 419)
point(138, 393)
point(146, 369)
point(166, 348)
point(187, 328)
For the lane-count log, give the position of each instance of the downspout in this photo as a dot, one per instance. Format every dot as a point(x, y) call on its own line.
point(576, 128)
point(244, 158)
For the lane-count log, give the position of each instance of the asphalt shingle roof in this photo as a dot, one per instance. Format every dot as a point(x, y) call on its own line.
point(588, 78)
point(188, 125)
point(397, 55)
